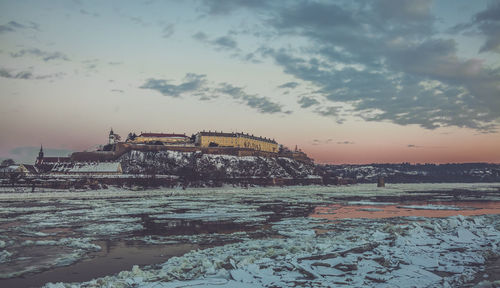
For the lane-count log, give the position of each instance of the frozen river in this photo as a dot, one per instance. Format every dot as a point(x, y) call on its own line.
point(421, 235)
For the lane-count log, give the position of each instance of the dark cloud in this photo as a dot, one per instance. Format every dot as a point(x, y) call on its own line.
point(251, 57)
point(168, 30)
point(382, 58)
point(487, 24)
point(117, 91)
point(200, 36)
point(46, 56)
point(328, 141)
point(192, 82)
point(386, 71)
point(91, 64)
point(332, 112)
point(261, 104)
point(19, 75)
point(221, 43)
point(12, 26)
point(345, 142)
point(291, 85)
point(26, 75)
point(225, 42)
point(306, 102)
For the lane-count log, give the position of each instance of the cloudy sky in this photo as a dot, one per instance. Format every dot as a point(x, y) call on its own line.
point(346, 81)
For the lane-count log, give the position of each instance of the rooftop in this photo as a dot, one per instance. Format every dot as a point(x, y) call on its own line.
point(237, 134)
point(162, 135)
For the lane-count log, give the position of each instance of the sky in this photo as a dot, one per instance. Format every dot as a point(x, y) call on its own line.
point(385, 81)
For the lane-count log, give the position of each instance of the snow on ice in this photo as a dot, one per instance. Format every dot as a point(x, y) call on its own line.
point(293, 250)
point(370, 253)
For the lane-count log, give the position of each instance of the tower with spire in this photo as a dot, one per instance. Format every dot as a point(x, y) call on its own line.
point(39, 159)
point(112, 138)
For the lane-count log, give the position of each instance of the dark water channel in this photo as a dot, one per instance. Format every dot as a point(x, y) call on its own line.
point(113, 258)
point(120, 255)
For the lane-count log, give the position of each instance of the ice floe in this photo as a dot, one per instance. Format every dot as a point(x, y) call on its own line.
point(370, 254)
point(285, 247)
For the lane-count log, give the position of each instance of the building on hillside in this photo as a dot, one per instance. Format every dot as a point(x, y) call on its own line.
point(18, 169)
point(162, 138)
point(113, 138)
point(28, 169)
point(41, 159)
point(296, 154)
point(239, 140)
point(45, 164)
point(7, 171)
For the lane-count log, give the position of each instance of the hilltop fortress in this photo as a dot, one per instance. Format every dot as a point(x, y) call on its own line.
point(236, 144)
point(162, 159)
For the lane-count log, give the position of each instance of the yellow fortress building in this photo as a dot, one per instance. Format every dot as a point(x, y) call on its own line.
point(239, 140)
point(161, 137)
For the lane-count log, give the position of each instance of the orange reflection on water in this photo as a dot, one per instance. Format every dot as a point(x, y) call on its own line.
point(341, 211)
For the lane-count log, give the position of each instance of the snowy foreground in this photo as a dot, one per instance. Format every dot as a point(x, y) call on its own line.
point(360, 253)
point(285, 246)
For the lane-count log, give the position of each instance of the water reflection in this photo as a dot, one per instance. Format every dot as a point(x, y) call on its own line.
point(419, 209)
point(113, 258)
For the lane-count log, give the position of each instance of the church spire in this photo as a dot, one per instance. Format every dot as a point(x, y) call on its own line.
point(40, 154)
point(112, 137)
point(39, 160)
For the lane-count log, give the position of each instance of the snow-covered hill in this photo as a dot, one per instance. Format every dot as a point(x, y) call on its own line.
point(413, 173)
point(196, 165)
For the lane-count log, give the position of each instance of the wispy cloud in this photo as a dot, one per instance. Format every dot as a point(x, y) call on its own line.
point(225, 42)
point(261, 104)
point(486, 23)
point(13, 26)
point(306, 102)
point(16, 75)
point(25, 75)
point(200, 36)
point(427, 147)
point(192, 82)
point(332, 112)
point(197, 85)
point(168, 30)
point(345, 142)
point(290, 85)
point(44, 55)
point(327, 141)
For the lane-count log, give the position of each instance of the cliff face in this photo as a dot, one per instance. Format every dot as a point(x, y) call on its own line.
point(196, 165)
